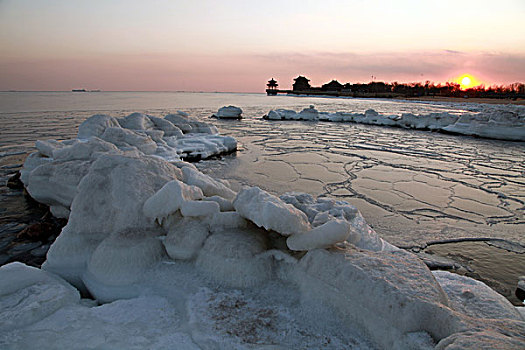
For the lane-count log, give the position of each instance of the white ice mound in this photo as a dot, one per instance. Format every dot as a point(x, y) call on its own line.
point(28, 294)
point(229, 112)
point(385, 294)
point(491, 121)
point(268, 211)
point(110, 199)
point(497, 124)
point(475, 298)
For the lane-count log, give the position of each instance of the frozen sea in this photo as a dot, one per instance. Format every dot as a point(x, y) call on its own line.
point(413, 187)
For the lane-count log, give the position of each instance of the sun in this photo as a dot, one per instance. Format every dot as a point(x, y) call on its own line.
point(466, 81)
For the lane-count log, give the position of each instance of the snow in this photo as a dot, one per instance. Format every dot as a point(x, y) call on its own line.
point(229, 112)
point(180, 259)
point(497, 122)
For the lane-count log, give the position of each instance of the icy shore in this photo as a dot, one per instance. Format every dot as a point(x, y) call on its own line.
point(501, 122)
point(179, 259)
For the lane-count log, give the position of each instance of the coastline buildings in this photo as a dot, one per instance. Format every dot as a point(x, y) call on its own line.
point(301, 86)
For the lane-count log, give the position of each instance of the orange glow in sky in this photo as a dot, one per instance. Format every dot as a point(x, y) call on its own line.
point(467, 81)
point(235, 45)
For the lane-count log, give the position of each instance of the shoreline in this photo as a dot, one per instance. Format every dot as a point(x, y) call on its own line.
point(498, 101)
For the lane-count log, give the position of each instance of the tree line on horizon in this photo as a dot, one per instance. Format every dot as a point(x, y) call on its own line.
point(415, 89)
point(448, 89)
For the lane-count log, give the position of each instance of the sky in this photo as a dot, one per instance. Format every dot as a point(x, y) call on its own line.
point(237, 45)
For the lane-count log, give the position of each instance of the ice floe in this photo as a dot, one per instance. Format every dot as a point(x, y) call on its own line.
point(228, 112)
point(180, 259)
point(496, 122)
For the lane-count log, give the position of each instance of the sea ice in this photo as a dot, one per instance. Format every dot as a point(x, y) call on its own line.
point(205, 267)
point(497, 122)
point(229, 112)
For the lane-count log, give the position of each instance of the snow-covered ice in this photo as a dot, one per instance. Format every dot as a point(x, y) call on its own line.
point(229, 112)
point(496, 122)
point(179, 259)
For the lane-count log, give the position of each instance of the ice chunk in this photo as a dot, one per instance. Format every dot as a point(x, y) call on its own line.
point(124, 138)
point(55, 183)
point(199, 208)
point(268, 211)
point(483, 340)
point(385, 294)
point(323, 236)
point(169, 199)
point(190, 125)
point(185, 239)
point(166, 126)
point(149, 322)
point(232, 257)
point(226, 220)
point(323, 210)
point(136, 121)
point(209, 186)
point(224, 204)
point(96, 125)
point(33, 161)
point(308, 114)
point(85, 150)
point(28, 294)
point(122, 259)
point(47, 148)
point(475, 298)
point(110, 199)
point(229, 112)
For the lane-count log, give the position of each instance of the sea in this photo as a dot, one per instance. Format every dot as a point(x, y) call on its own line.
point(456, 197)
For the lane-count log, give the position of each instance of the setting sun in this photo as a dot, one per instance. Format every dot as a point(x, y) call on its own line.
point(466, 81)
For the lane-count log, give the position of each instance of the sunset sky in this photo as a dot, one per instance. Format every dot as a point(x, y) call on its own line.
point(229, 45)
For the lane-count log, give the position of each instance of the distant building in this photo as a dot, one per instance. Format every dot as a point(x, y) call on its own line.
point(301, 84)
point(334, 85)
point(272, 84)
point(272, 87)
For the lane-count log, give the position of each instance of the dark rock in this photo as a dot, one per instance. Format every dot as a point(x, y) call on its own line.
point(14, 182)
point(520, 290)
point(37, 232)
point(24, 247)
point(4, 258)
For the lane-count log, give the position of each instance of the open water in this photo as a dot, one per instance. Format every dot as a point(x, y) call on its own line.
point(414, 188)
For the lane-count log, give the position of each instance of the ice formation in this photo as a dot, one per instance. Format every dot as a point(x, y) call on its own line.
point(502, 122)
point(182, 260)
point(229, 112)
